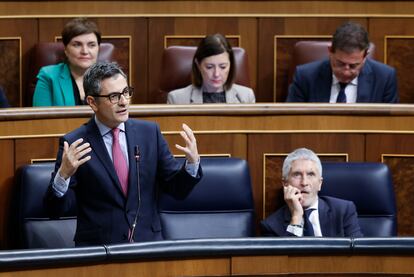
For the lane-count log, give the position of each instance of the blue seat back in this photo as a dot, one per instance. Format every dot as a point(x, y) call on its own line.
point(370, 187)
point(36, 229)
point(220, 205)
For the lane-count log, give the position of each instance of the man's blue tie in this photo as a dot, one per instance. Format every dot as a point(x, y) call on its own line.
point(307, 226)
point(341, 95)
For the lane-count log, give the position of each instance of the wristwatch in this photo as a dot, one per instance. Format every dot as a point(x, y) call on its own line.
point(295, 229)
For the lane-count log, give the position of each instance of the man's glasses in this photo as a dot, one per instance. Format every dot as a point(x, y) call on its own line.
point(115, 97)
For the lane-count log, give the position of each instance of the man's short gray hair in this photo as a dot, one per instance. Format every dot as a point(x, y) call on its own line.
point(98, 72)
point(300, 154)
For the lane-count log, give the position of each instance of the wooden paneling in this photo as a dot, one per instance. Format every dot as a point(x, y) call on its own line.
point(41, 127)
point(6, 190)
point(389, 144)
point(287, 118)
point(154, 268)
point(35, 148)
point(399, 54)
point(23, 35)
point(137, 30)
point(322, 265)
point(395, 43)
point(234, 145)
point(379, 28)
point(184, 29)
point(186, 40)
point(402, 168)
point(10, 71)
point(260, 265)
point(397, 151)
point(183, 267)
point(214, 7)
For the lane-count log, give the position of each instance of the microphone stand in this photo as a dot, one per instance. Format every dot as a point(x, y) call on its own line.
point(134, 224)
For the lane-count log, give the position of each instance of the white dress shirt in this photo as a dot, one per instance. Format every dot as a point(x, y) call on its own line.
point(350, 90)
point(314, 219)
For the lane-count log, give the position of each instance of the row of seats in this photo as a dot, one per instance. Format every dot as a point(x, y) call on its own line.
point(220, 206)
point(177, 61)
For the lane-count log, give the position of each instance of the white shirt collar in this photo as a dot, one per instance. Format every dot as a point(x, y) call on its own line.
point(314, 205)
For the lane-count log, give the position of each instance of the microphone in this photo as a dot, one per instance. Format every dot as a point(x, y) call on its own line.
point(137, 153)
point(134, 224)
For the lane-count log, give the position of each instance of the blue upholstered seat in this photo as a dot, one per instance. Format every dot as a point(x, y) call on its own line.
point(220, 205)
point(36, 229)
point(369, 186)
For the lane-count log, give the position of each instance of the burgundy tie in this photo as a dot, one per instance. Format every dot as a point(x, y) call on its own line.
point(120, 163)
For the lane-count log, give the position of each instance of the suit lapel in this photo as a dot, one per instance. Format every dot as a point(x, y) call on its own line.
point(196, 96)
point(325, 220)
point(365, 83)
point(324, 84)
point(98, 146)
point(231, 96)
point(65, 83)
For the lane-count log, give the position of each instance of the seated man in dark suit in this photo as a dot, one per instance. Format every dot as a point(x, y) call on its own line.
point(3, 99)
point(113, 167)
point(348, 76)
point(306, 213)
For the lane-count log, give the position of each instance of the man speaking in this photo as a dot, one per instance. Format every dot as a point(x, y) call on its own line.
point(113, 167)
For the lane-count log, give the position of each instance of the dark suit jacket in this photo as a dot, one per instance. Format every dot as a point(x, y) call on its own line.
point(3, 99)
point(337, 218)
point(377, 83)
point(104, 213)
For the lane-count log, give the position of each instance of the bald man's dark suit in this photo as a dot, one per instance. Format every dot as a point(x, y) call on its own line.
point(104, 214)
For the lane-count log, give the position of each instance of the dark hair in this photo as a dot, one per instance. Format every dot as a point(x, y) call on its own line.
point(79, 26)
point(209, 46)
point(98, 72)
point(349, 37)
